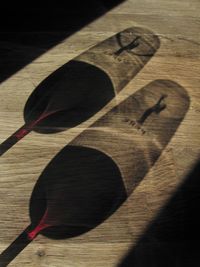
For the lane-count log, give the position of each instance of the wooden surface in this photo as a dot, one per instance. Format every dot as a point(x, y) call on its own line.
point(177, 24)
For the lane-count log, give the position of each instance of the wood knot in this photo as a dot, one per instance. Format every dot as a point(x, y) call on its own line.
point(41, 252)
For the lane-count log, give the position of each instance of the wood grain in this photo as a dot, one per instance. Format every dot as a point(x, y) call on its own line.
point(177, 25)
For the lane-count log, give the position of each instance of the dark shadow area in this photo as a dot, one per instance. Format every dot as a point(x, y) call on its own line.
point(69, 96)
point(66, 98)
point(77, 90)
point(81, 186)
point(26, 32)
point(79, 189)
point(172, 239)
point(14, 249)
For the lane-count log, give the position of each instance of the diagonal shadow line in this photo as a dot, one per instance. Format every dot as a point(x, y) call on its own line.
point(36, 30)
point(172, 239)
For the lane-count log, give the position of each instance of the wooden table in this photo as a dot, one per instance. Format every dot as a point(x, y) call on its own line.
point(177, 24)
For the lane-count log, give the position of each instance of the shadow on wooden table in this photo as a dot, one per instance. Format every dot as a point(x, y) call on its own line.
point(172, 240)
point(29, 31)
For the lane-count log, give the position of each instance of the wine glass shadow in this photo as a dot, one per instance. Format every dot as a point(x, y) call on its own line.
point(79, 188)
point(172, 239)
point(74, 93)
point(82, 186)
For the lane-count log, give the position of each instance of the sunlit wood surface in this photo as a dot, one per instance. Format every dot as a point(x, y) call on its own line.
point(177, 24)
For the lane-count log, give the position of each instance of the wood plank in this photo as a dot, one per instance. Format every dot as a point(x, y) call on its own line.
point(177, 25)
